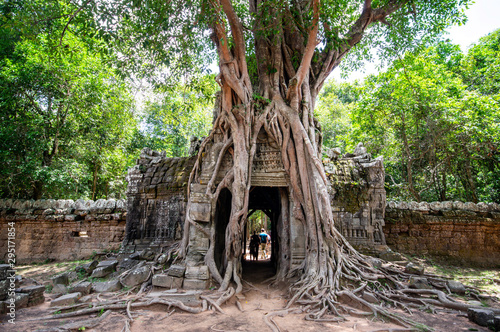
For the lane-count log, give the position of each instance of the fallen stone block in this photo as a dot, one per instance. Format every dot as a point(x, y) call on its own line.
point(107, 286)
point(191, 298)
point(136, 277)
point(414, 269)
point(135, 256)
point(496, 323)
point(166, 281)
point(36, 301)
point(4, 289)
point(147, 255)
point(65, 300)
point(176, 271)
point(126, 264)
point(88, 268)
point(110, 262)
point(82, 287)
point(21, 300)
point(392, 256)
point(3, 271)
point(59, 289)
point(85, 299)
point(456, 287)
point(35, 294)
point(481, 317)
point(101, 272)
point(61, 279)
point(419, 283)
point(194, 284)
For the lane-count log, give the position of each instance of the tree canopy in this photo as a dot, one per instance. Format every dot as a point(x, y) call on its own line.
point(431, 119)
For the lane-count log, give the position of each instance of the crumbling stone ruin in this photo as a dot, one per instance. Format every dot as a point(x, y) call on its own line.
point(64, 229)
point(157, 197)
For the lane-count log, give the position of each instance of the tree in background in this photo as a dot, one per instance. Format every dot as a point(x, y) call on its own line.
point(171, 117)
point(274, 57)
point(335, 104)
point(66, 116)
point(434, 121)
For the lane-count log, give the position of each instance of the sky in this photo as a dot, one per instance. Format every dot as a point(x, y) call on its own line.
point(482, 19)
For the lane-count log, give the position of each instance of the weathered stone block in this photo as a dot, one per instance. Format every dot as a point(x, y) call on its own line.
point(126, 264)
point(3, 271)
point(87, 268)
point(32, 291)
point(496, 323)
point(480, 316)
point(176, 271)
point(456, 287)
point(136, 277)
point(82, 287)
point(107, 286)
point(21, 300)
point(110, 262)
point(200, 212)
point(166, 281)
point(61, 279)
point(419, 283)
point(59, 289)
point(414, 269)
point(197, 272)
point(66, 300)
point(194, 284)
point(147, 255)
point(101, 272)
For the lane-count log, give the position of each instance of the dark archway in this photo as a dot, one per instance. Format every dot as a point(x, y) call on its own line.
point(267, 200)
point(222, 213)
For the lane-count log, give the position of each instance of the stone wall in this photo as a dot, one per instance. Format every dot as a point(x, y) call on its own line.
point(156, 200)
point(457, 232)
point(358, 197)
point(61, 229)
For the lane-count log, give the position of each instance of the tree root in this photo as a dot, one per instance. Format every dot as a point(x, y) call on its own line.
point(126, 327)
point(122, 306)
point(87, 323)
point(268, 318)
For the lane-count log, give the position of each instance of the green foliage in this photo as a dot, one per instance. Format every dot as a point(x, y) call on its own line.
point(68, 124)
point(172, 116)
point(434, 115)
point(333, 111)
point(66, 116)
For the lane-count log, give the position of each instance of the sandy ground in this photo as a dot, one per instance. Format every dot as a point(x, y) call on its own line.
point(257, 301)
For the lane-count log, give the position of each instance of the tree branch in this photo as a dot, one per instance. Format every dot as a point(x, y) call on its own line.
point(71, 19)
point(310, 46)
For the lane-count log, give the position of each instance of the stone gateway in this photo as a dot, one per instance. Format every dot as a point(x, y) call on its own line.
point(157, 204)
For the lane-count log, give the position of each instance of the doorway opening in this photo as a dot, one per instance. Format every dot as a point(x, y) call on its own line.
point(267, 209)
point(264, 213)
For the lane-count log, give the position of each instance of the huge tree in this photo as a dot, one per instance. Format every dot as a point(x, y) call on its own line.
point(273, 57)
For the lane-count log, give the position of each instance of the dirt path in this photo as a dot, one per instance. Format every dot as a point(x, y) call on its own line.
point(258, 300)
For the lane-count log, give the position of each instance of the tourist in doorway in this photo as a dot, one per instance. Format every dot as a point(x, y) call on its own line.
point(254, 246)
point(264, 240)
